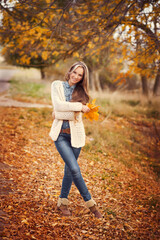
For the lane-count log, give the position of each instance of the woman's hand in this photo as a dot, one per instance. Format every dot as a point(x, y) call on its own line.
point(85, 109)
point(53, 115)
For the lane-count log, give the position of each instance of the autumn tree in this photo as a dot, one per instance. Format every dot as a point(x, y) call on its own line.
point(68, 28)
point(73, 25)
point(27, 43)
point(141, 45)
point(100, 61)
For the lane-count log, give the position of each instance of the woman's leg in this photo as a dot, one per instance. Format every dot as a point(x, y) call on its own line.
point(67, 179)
point(66, 151)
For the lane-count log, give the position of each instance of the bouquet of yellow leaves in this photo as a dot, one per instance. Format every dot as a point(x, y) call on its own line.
point(93, 113)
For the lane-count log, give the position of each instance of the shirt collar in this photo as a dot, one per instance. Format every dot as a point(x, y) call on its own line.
point(70, 87)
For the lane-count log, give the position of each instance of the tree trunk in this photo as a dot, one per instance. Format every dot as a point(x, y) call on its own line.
point(92, 81)
point(157, 83)
point(144, 85)
point(42, 73)
point(97, 81)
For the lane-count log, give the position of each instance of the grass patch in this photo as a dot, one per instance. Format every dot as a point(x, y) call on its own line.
point(132, 103)
point(153, 202)
point(111, 212)
point(21, 117)
point(41, 113)
point(127, 105)
point(30, 110)
point(124, 137)
point(153, 113)
point(156, 167)
point(104, 176)
point(20, 89)
point(103, 102)
point(27, 88)
point(87, 147)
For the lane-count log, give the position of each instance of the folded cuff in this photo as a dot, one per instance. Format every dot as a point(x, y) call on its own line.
point(63, 201)
point(90, 203)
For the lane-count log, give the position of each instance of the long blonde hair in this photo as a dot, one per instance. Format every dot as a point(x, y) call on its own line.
point(80, 93)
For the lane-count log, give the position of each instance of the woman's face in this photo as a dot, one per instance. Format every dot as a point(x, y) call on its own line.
point(76, 76)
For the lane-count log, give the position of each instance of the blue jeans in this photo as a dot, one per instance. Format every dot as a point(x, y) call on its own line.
point(71, 171)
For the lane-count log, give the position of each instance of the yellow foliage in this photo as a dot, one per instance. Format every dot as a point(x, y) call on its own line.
point(96, 39)
point(44, 55)
point(84, 25)
point(34, 54)
point(93, 113)
point(65, 16)
point(25, 60)
point(56, 53)
point(85, 12)
point(91, 45)
point(76, 54)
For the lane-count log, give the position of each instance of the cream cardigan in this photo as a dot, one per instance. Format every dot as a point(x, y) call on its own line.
point(66, 111)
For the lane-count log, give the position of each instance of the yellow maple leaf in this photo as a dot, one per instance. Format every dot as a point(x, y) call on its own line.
point(93, 113)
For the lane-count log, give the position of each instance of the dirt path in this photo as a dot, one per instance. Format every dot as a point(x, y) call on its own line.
point(5, 101)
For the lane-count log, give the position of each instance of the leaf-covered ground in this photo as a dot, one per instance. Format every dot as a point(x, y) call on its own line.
point(118, 165)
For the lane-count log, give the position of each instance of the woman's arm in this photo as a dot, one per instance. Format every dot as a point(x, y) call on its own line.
point(63, 115)
point(63, 106)
point(68, 115)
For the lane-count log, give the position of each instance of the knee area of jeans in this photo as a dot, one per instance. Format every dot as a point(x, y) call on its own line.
point(75, 171)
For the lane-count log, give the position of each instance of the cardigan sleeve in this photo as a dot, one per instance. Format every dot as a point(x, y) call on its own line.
point(59, 104)
point(64, 115)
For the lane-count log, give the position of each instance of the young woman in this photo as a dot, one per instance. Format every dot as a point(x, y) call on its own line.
point(69, 100)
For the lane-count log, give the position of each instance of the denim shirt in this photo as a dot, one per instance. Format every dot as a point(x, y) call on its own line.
point(68, 90)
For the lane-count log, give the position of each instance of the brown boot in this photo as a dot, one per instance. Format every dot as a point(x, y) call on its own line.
point(91, 204)
point(63, 206)
point(96, 212)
